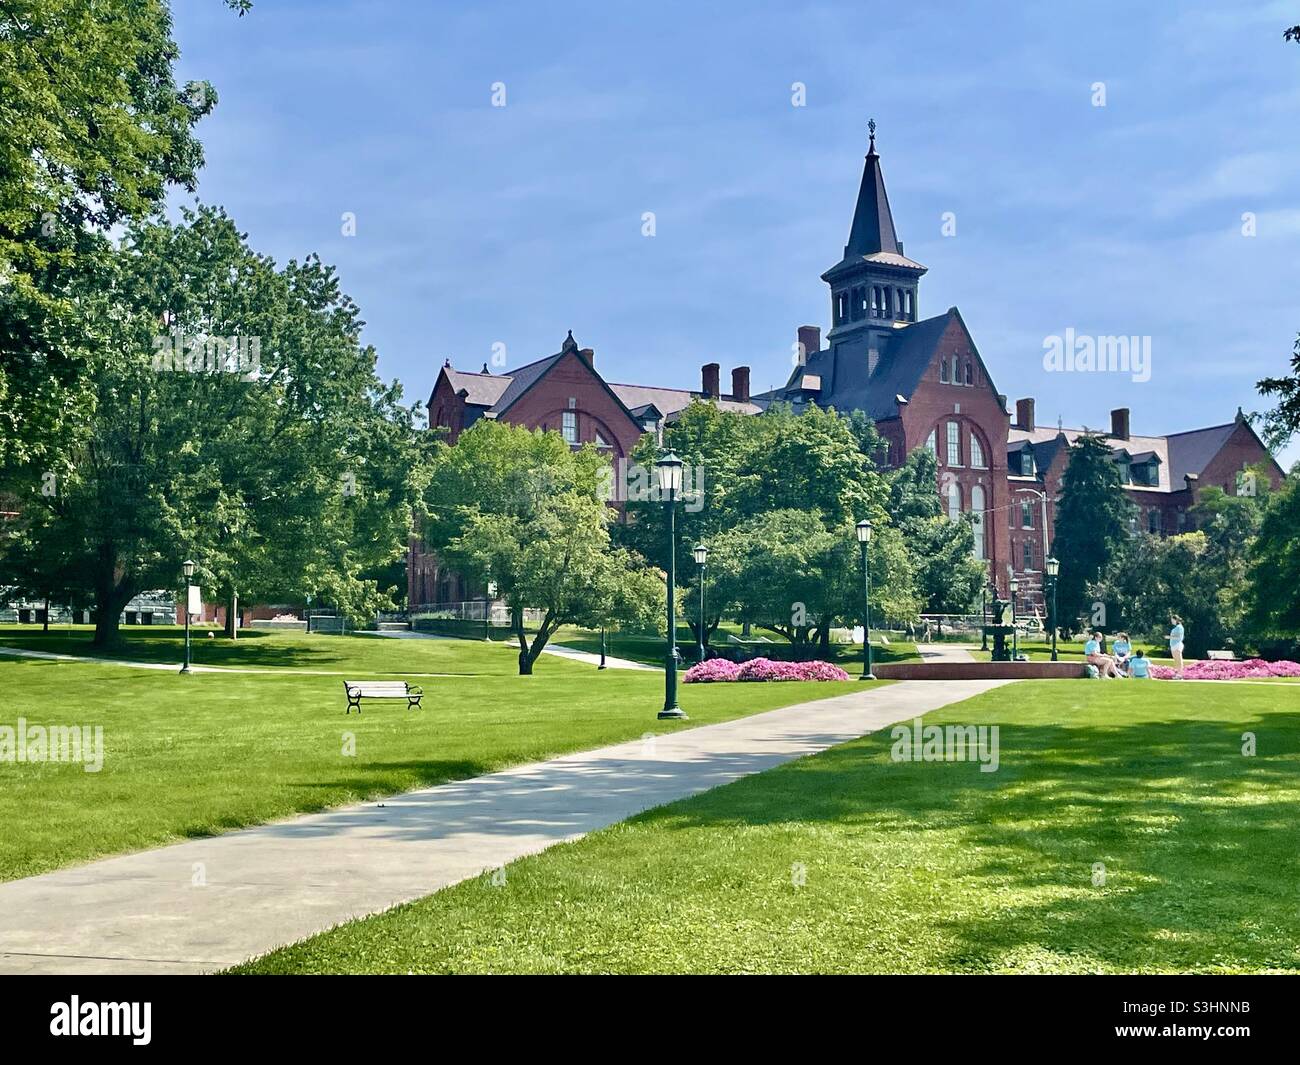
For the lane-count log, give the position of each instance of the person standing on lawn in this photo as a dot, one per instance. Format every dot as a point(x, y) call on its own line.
point(1176, 644)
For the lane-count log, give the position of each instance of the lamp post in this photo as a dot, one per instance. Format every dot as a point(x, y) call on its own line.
point(669, 471)
point(602, 648)
point(1053, 568)
point(187, 567)
point(1015, 633)
point(701, 557)
point(984, 617)
point(863, 529)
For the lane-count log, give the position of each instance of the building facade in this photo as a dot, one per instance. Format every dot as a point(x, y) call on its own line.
point(922, 381)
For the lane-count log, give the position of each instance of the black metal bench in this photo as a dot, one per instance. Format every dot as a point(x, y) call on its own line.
point(381, 689)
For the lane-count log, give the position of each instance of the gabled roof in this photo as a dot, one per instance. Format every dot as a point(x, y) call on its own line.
point(670, 401)
point(1192, 451)
point(484, 389)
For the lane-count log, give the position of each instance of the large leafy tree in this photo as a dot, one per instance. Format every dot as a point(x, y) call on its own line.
point(524, 511)
point(947, 576)
point(1092, 523)
point(1273, 575)
point(237, 419)
point(93, 130)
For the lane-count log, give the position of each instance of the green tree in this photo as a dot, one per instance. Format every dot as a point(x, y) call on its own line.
point(93, 131)
point(1092, 523)
point(1273, 568)
point(236, 419)
point(946, 574)
point(523, 510)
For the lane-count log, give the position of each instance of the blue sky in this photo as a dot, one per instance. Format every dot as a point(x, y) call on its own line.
point(478, 225)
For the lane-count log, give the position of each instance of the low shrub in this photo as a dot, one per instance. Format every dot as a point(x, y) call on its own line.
point(1217, 669)
point(757, 669)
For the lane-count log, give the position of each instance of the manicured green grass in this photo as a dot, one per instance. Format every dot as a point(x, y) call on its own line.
point(917, 866)
point(200, 754)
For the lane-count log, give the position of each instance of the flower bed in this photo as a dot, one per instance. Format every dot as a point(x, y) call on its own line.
point(1217, 669)
point(719, 669)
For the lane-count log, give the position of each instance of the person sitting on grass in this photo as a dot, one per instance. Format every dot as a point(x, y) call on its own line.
point(1121, 647)
point(1139, 666)
point(1105, 665)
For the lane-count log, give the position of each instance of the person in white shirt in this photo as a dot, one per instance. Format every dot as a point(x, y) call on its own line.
point(1176, 644)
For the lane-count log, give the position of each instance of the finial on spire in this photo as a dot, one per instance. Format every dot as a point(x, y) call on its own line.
point(871, 128)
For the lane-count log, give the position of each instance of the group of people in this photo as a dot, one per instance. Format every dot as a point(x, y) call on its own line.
point(1123, 661)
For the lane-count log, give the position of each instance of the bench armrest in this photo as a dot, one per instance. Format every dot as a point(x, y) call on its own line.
point(414, 689)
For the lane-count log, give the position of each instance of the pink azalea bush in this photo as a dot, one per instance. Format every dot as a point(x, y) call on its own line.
point(719, 669)
point(1217, 669)
point(711, 671)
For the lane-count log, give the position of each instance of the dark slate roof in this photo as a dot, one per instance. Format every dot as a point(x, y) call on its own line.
point(872, 237)
point(484, 389)
point(524, 378)
point(1192, 451)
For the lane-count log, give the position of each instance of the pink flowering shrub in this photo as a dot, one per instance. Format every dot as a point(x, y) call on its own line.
point(1216, 669)
point(711, 671)
point(719, 669)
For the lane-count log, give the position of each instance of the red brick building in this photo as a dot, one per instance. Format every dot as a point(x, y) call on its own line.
point(923, 382)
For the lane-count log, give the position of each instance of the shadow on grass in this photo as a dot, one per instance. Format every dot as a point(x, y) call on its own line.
point(1197, 841)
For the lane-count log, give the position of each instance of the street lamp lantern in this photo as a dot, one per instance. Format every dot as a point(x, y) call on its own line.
point(668, 468)
point(1053, 567)
point(701, 557)
point(863, 530)
point(187, 567)
point(1014, 585)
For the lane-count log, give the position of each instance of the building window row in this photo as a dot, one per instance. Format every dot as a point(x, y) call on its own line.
point(956, 370)
point(953, 440)
point(875, 301)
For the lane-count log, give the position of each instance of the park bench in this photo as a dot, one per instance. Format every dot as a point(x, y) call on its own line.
point(381, 689)
point(1223, 656)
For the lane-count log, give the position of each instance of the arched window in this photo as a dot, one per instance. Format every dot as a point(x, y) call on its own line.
point(932, 445)
point(977, 509)
point(977, 453)
point(954, 500)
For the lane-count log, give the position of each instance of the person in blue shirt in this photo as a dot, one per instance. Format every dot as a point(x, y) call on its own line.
point(1104, 663)
point(1176, 644)
point(1121, 647)
point(1139, 665)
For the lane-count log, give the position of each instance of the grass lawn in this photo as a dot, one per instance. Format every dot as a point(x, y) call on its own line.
point(201, 754)
point(917, 866)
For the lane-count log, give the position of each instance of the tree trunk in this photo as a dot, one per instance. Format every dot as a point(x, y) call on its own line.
point(109, 601)
point(824, 639)
point(46, 627)
point(232, 614)
point(517, 623)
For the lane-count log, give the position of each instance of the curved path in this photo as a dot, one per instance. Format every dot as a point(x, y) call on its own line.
point(207, 904)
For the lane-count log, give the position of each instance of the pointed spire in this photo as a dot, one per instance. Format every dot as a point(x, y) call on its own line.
point(873, 223)
point(569, 343)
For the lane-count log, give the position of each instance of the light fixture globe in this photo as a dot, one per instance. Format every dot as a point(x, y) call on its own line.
point(863, 529)
point(1053, 566)
point(701, 554)
point(187, 567)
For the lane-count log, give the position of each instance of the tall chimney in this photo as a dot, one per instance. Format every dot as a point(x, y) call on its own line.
point(740, 384)
point(1119, 423)
point(810, 341)
point(1025, 414)
point(588, 356)
point(711, 373)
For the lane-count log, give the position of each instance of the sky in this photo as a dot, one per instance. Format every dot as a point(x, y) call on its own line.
point(1110, 167)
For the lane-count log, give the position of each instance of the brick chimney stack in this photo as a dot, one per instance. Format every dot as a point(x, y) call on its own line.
point(1025, 414)
point(1119, 423)
point(711, 386)
point(740, 384)
point(810, 341)
point(588, 355)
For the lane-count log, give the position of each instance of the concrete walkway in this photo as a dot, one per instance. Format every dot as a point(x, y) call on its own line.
point(945, 652)
point(206, 904)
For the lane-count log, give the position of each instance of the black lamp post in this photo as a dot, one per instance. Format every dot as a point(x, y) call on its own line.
point(669, 471)
point(187, 567)
point(1015, 632)
point(863, 529)
point(701, 557)
point(602, 648)
point(1053, 568)
point(984, 617)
